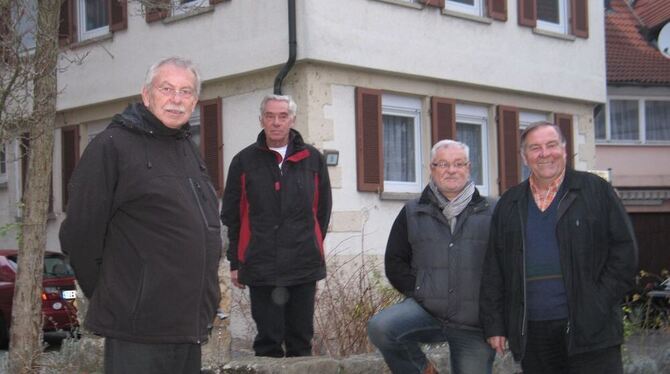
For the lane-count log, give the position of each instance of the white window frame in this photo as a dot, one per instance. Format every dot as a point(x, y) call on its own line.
point(179, 8)
point(477, 9)
point(405, 106)
point(81, 24)
point(563, 16)
point(641, 120)
point(477, 115)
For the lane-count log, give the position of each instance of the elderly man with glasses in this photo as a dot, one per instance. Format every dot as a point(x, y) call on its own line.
point(143, 232)
point(434, 257)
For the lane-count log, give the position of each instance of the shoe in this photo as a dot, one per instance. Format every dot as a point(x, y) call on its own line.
point(430, 368)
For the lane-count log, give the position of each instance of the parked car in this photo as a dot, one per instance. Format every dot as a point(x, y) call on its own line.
point(59, 293)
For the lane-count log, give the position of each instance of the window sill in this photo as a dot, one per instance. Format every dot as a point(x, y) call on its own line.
point(633, 143)
point(87, 42)
point(553, 34)
point(3, 185)
point(403, 3)
point(193, 13)
point(466, 16)
point(399, 196)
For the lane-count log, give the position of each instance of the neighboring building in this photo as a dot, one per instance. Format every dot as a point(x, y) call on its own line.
point(633, 129)
point(377, 82)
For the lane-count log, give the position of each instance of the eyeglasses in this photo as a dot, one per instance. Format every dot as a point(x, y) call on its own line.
point(445, 165)
point(184, 93)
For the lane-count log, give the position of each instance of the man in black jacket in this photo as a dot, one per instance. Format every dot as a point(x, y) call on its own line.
point(143, 233)
point(277, 206)
point(561, 257)
point(434, 257)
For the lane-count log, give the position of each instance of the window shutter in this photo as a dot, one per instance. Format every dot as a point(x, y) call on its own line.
point(118, 15)
point(579, 20)
point(509, 166)
point(70, 157)
point(211, 142)
point(527, 13)
point(24, 149)
point(435, 3)
point(158, 10)
point(67, 27)
point(369, 140)
point(564, 122)
point(443, 119)
point(5, 16)
point(497, 9)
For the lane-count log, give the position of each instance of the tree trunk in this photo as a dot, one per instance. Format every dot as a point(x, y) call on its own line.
point(26, 331)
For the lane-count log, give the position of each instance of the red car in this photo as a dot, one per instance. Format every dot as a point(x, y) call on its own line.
point(58, 295)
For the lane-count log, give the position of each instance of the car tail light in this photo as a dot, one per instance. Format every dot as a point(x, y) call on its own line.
point(50, 293)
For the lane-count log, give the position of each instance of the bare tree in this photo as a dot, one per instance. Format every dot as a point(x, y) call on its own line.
point(28, 105)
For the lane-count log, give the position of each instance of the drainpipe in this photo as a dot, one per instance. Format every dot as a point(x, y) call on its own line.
point(292, 48)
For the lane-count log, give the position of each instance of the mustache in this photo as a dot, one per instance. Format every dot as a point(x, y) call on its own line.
point(179, 108)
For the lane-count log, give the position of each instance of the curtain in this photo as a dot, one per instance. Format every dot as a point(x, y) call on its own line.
point(472, 136)
point(399, 163)
point(624, 120)
point(657, 120)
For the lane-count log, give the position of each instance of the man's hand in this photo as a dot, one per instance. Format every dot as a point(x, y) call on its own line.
point(497, 343)
point(235, 280)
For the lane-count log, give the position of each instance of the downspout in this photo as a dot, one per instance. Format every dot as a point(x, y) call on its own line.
point(292, 48)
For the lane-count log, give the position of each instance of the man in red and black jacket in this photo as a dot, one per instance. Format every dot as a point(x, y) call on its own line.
point(277, 205)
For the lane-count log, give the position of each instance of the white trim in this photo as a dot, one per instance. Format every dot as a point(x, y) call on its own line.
point(81, 24)
point(562, 26)
point(476, 9)
point(477, 115)
point(406, 106)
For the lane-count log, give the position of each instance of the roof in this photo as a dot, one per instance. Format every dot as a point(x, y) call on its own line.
point(631, 59)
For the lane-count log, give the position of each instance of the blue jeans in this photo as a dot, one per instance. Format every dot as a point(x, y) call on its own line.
point(399, 329)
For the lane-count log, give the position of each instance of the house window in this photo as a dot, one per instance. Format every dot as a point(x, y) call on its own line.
point(473, 7)
point(194, 121)
point(552, 15)
point(471, 125)
point(401, 123)
point(634, 120)
point(93, 18)
point(185, 6)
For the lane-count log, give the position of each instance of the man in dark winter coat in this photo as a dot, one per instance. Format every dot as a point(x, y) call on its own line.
point(277, 206)
point(434, 257)
point(561, 257)
point(143, 233)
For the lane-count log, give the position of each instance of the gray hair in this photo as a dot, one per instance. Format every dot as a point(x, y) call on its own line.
point(292, 106)
point(174, 61)
point(448, 143)
point(535, 125)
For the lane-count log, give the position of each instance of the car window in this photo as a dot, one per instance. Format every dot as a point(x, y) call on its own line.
point(54, 266)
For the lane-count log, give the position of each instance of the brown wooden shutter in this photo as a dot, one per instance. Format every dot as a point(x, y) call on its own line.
point(24, 149)
point(564, 122)
point(443, 119)
point(211, 141)
point(157, 11)
point(435, 3)
point(70, 157)
point(5, 17)
point(509, 165)
point(497, 9)
point(369, 140)
point(527, 13)
point(118, 15)
point(67, 27)
point(579, 18)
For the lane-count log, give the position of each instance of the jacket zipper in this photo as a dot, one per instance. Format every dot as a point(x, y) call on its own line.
point(523, 260)
point(195, 185)
point(567, 326)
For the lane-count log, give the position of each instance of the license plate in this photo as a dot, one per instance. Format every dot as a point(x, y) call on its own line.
point(69, 294)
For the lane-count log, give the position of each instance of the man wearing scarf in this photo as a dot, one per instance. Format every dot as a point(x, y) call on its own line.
point(434, 257)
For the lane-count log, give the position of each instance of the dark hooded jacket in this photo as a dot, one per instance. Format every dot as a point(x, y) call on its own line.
point(277, 219)
point(143, 233)
point(598, 255)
